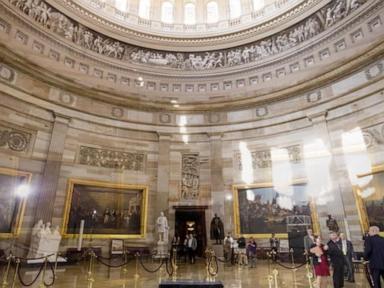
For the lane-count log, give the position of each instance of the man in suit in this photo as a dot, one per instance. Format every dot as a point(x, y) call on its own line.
point(335, 252)
point(191, 244)
point(309, 240)
point(348, 255)
point(374, 253)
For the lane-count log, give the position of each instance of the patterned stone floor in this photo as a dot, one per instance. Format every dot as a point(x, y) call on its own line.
point(75, 276)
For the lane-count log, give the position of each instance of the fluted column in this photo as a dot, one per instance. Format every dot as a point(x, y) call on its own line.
point(50, 177)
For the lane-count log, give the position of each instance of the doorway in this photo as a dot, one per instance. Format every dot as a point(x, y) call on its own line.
point(191, 219)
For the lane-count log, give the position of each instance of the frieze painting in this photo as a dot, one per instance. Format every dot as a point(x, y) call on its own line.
point(261, 210)
point(12, 202)
point(109, 210)
point(370, 199)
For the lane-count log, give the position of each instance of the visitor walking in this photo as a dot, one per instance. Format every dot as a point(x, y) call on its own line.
point(252, 252)
point(335, 252)
point(318, 253)
point(191, 245)
point(348, 256)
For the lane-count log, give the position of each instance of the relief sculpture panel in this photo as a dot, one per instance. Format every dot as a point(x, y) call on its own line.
point(14, 139)
point(190, 178)
point(111, 159)
point(52, 19)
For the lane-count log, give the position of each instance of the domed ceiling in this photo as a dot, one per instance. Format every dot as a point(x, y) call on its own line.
point(285, 47)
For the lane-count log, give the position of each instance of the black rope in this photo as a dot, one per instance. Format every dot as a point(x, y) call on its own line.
point(290, 267)
point(53, 275)
point(99, 259)
point(148, 269)
point(33, 281)
point(170, 273)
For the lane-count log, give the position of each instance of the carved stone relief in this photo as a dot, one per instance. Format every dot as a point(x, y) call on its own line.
point(7, 74)
point(14, 139)
point(374, 136)
point(52, 19)
point(190, 176)
point(111, 159)
point(263, 158)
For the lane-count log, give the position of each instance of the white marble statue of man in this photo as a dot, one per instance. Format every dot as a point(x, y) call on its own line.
point(162, 227)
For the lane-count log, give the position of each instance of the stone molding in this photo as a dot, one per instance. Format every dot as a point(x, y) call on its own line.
point(113, 159)
point(374, 136)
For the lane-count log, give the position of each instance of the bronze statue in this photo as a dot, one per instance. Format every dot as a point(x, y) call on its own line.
point(332, 224)
point(217, 229)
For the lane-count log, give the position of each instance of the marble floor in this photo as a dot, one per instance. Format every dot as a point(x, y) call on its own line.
point(75, 276)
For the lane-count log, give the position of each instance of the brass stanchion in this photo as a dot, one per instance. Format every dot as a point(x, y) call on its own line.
point(270, 281)
point(137, 265)
point(90, 278)
point(42, 285)
point(174, 265)
point(4, 283)
point(275, 273)
point(16, 272)
point(309, 275)
point(293, 268)
point(55, 267)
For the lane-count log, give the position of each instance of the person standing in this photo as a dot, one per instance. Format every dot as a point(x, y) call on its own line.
point(242, 247)
point(335, 252)
point(318, 253)
point(274, 243)
point(374, 253)
point(348, 255)
point(191, 244)
point(228, 248)
point(252, 252)
point(309, 240)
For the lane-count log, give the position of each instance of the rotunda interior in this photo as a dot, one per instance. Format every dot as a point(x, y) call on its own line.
point(156, 143)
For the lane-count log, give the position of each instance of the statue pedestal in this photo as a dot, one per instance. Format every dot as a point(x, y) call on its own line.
point(162, 249)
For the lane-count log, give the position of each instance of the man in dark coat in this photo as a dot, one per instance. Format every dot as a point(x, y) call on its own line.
point(374, 253)
point(335, 252)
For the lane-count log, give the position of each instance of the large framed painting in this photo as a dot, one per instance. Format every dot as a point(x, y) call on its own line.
point(370, 199)
point(109, 210)
point(12, 203)
point(260, 210)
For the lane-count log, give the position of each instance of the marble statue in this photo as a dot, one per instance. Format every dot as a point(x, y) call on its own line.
point(162, 228)
point(45, 241)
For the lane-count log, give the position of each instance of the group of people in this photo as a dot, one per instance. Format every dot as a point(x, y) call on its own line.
point(188, 248)
point(240, 251)
point(338, 253)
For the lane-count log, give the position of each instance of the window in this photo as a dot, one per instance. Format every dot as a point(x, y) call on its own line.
point(258, 4)
point(121, 5)
point(234, 8)
point(212, 12)
point(189, 14)
point(167, 12)
point(144, 8)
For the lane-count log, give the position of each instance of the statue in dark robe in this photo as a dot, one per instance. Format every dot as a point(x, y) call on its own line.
point(217, 229)
point(332, 224)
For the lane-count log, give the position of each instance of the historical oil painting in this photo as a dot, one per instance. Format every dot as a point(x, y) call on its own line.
point(109, 210)
point(12, 202)
point(370, 199)
point(261, 210)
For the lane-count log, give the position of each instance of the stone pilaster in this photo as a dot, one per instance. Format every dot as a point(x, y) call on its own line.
point(50, 178)
point(163, 170)
point(336, 206)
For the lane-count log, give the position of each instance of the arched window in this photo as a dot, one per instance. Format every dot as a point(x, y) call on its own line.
point(258, 4)
point(212, 12)
point(121, 5)
point(234, 8)
point(189, 14)
point(144, 8)
point(167, 12)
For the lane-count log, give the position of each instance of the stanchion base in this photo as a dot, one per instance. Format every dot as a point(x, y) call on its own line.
point(190, 283)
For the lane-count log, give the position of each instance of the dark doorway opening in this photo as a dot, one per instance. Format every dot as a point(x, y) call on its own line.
point(191, 219)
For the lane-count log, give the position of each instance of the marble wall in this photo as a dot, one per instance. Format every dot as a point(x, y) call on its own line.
point(208, 160)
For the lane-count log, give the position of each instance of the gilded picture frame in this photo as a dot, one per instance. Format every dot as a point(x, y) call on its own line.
point(109, 210)
point(366, 216)
point(16, 206)
point(268, 185)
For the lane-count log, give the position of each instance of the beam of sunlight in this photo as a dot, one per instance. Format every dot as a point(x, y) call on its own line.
point(246, 163)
